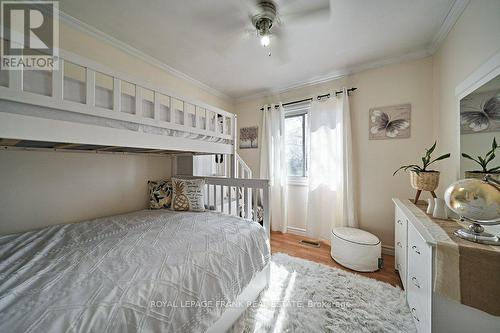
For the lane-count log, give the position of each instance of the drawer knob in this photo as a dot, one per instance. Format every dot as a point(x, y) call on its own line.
point(400, 222)
point(399, 244)
point(414, 248)
point(415, 282)
point(414, 314)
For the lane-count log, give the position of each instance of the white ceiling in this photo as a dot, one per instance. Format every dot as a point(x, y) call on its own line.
point(202, 39)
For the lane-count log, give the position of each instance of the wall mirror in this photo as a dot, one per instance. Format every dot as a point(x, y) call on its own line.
point(479, 125)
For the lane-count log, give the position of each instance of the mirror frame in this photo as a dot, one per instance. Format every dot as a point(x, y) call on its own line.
point(485, 73)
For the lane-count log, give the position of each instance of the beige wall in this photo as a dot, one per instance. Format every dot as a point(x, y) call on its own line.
point(45, 188)
point(374, 161)
point(472, 41)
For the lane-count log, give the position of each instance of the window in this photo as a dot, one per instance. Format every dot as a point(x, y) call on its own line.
point(295, 142)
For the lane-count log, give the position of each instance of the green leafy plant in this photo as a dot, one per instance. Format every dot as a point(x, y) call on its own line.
point(483, 161)
point(426, 162)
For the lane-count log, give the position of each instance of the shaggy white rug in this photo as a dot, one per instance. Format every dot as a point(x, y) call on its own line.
point(304, 296)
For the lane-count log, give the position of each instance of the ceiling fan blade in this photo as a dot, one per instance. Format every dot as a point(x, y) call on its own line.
point(318, 12)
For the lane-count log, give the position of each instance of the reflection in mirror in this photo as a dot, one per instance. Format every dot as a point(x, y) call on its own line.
point(480, 131)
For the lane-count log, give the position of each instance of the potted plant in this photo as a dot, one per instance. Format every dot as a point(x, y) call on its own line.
point(421, 178)
point(483, 162)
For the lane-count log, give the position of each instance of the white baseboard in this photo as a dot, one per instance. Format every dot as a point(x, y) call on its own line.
point(303, 233)
point(387, 249)
point(296, 231)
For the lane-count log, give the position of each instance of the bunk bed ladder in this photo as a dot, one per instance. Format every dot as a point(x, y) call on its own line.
point(242, 169)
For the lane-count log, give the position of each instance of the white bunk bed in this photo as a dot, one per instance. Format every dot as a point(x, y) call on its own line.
point(85, 106)
point(87, 103)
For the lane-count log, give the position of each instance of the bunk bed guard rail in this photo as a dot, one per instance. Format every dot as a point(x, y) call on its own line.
point(83, 86)
point(239, 197)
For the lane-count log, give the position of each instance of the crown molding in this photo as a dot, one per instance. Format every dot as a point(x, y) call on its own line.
point(94, 32)
point(456, 9)
point(419, 54)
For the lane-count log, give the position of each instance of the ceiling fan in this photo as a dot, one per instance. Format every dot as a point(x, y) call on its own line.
point(263, 21)
point(269, 19)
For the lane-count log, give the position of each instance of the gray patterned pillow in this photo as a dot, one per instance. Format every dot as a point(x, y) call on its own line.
point(188, 194)
point(160, 194)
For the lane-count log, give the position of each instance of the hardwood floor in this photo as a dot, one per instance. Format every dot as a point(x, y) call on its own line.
point(289, 244)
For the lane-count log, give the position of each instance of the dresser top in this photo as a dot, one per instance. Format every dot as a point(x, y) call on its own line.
point(434, 230)
point(429, 230)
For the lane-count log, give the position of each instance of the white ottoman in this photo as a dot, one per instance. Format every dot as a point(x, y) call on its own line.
point(356, 249)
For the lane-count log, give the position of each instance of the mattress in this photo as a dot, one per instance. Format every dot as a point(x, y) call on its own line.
point(148, 271)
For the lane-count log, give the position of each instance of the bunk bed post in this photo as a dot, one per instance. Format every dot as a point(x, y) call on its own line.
point(234, 160)
point(58, 81)
point(266, 206)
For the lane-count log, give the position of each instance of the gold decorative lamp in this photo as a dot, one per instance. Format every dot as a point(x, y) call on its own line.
point(476, 201)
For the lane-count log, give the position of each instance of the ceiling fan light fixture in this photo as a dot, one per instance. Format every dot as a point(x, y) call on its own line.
point(265, 40)
point(263, 22)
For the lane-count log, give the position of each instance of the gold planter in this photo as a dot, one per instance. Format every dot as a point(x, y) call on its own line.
point(424, 181)
point(481, 175)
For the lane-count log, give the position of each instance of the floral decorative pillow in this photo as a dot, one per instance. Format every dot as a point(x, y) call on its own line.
point(160, 194)
point(188, 194)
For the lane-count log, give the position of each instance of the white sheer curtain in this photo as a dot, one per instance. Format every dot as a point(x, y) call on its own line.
point(331, 188)
point(273, 164)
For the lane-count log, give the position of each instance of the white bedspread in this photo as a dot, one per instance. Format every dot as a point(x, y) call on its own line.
point(147, 271)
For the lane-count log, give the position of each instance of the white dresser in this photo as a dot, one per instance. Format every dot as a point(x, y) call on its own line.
point(414, 258)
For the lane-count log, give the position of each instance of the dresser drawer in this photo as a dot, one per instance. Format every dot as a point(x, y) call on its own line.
point(419, 279)
point(400, 248)
point(421, 317)
point(400, 263)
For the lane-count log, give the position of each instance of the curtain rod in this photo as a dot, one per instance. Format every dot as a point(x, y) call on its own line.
point(311, 98)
